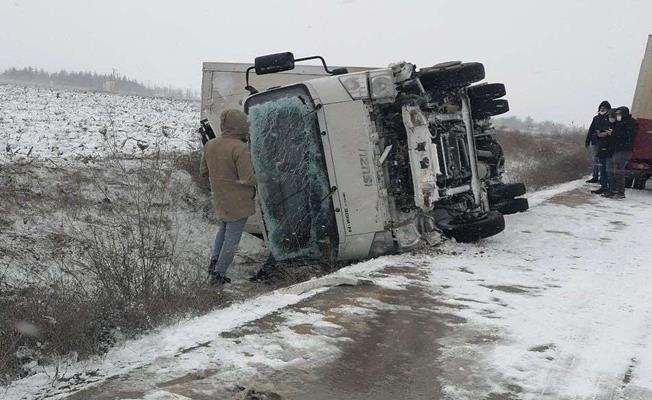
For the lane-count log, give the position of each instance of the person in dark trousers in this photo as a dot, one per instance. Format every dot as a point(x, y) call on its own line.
point(622, 145)
point(604, 149)
point(600, 123)
point(227, 162)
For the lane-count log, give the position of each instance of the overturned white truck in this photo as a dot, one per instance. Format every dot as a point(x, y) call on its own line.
point(353, 165)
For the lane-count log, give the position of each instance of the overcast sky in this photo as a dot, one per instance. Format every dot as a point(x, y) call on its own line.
point(558, 58)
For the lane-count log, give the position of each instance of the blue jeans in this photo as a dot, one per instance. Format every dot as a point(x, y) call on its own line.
point(226, 243)
point(604, 176)
point(617, 172)
point(595, 160)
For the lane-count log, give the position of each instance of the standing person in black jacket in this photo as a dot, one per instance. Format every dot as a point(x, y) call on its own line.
point(600, 123)
point(622, 144)
point(604, 150)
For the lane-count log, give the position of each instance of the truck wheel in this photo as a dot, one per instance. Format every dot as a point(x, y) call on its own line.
point(512, 206)
point(489, 108)
point(487, 91)
point(466, 232)
point(640, 180)
point(451, 75)
point(506, 191)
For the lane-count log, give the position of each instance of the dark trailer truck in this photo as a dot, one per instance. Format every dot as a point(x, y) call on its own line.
point(640, 165)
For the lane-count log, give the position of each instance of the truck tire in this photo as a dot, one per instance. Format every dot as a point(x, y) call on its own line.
point(467, 232)
point(512, 206)
point(506, 191)
point(451, 75)
point(487, 91)
point(640, 180)
point(489, 108)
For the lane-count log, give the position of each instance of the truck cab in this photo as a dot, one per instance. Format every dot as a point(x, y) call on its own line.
point(356, 165)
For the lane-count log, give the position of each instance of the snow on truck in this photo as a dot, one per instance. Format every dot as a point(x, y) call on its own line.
point(353, 163)
point(640, 165)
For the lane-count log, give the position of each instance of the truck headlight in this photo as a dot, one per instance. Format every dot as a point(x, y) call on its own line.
point(382, 85)
point(356, 85)
point(379, 85)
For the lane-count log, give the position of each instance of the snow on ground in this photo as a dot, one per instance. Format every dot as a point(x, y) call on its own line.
point(48, 123)
point(42, 201)
point(239, 358)
point(567, 289)
point(52, 143)
point(556, 307)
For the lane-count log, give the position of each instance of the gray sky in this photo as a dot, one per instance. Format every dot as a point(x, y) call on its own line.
point(558, 58)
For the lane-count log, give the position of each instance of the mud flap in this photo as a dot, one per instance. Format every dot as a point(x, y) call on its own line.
point(489, 225)
point(503, 192)
point(512, 206)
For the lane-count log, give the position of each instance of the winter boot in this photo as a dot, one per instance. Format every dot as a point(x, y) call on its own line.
point(218, 280)
point(211, 268)
point(265, 272)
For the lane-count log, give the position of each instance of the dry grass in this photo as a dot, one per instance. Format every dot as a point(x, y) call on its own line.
point(540, 160)
point(48, 325)
point(114, 232)
point(189, 162)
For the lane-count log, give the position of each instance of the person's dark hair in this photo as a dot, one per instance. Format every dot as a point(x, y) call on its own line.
point(604, 104)
point(624, 111)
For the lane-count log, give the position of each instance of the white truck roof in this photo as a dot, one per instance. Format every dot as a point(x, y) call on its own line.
point(223, 84)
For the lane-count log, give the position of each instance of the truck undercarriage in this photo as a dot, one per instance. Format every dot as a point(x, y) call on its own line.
point(440, 158)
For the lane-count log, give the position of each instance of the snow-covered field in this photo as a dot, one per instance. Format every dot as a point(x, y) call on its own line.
point(46, 123)
point(556, 307)
point(54, 144)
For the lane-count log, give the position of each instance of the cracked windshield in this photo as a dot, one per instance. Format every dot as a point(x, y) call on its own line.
point(293, 185)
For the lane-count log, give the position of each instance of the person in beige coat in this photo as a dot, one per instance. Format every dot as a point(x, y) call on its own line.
point(227, 162)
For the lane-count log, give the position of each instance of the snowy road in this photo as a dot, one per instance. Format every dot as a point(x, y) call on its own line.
point(559, 306)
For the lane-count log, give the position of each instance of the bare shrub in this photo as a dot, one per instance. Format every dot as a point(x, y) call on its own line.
point(69, 325)
point(123, 247)
point(541, 160)
point(134, 251)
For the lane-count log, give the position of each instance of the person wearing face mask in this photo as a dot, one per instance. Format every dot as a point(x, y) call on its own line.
point(600, 123)
point(604, 150)
point(622, 145)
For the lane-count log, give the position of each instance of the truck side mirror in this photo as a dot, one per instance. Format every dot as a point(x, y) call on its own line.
point(273, 63)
